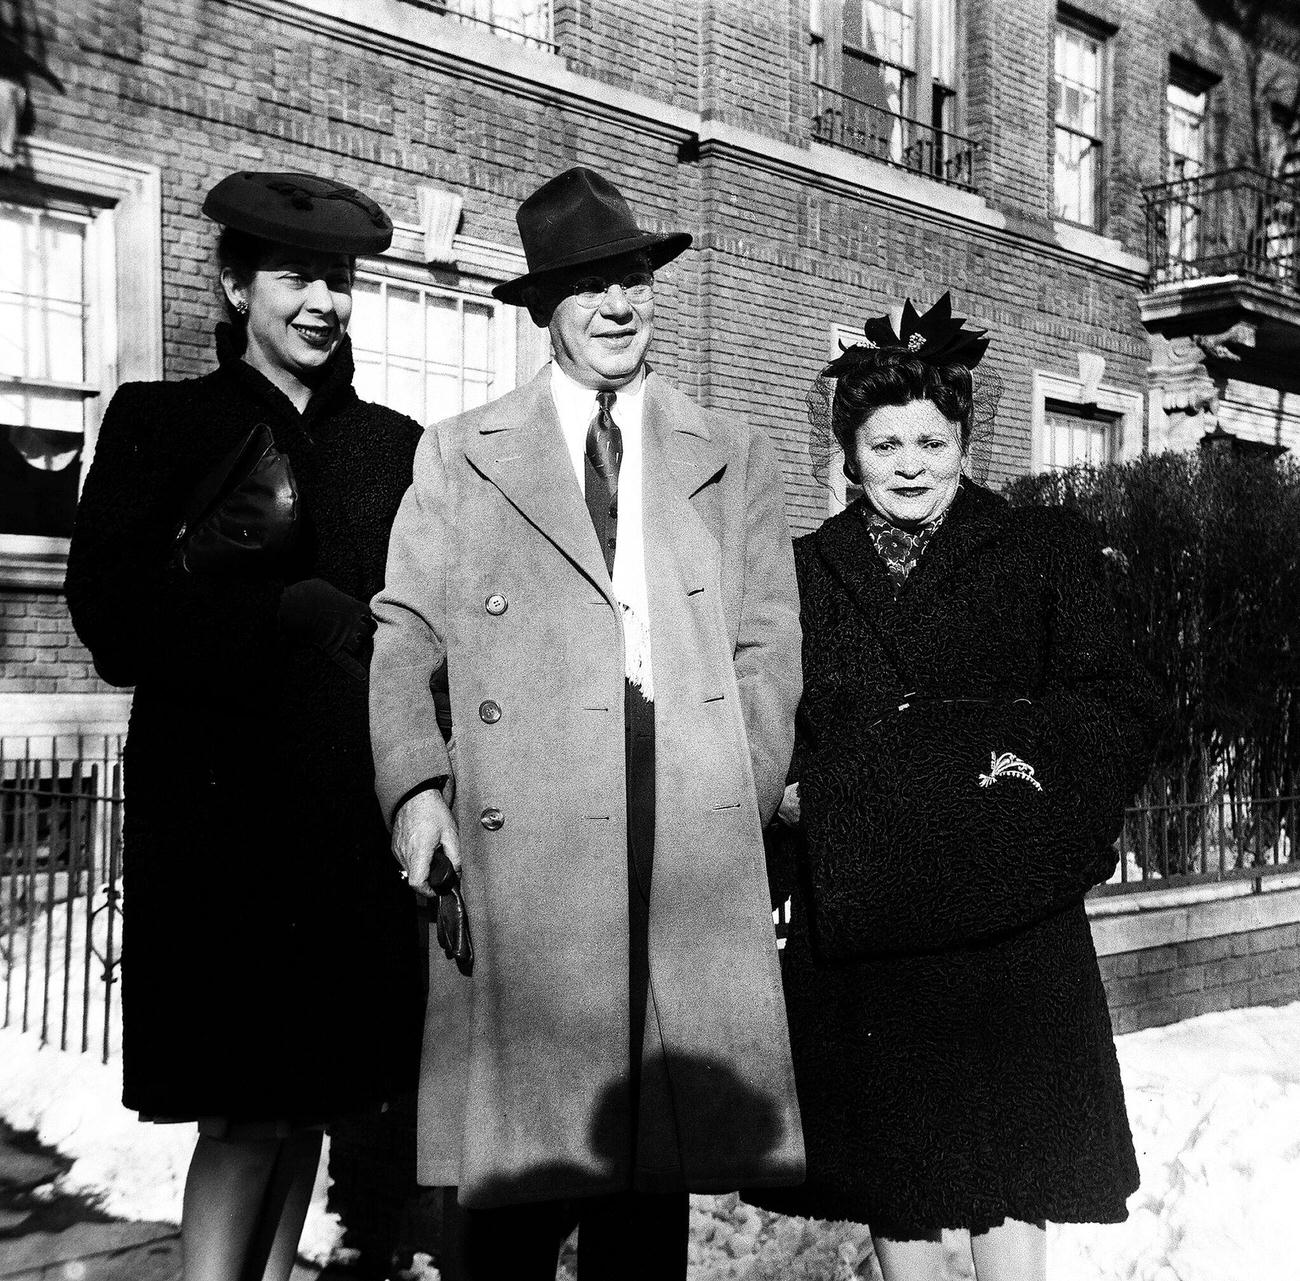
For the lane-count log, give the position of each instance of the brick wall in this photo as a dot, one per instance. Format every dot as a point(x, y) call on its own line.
point(1167, 955)
point(39, 652)
point(1161, 985)
point(791, 238)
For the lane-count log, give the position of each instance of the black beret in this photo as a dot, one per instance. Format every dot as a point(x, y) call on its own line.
point(301, 210)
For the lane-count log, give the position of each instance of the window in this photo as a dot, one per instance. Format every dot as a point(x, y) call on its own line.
point(71, 328)
point(49, 321)
point(879, 66)
point(1066, 430)
point(1186, 100)
point(1072, 434)
point(1283, 141)
point(1184, 131)
point(1080, 121)
point(428, 351)
point(884, 76)
point(526, 21)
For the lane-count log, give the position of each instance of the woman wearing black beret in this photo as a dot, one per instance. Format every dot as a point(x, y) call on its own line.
point(230, 530)
point(971, 729)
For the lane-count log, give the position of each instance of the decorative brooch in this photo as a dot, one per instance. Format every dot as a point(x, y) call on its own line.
point(1009, 765)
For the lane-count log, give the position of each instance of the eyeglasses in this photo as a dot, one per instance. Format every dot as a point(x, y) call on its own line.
point(590, 291)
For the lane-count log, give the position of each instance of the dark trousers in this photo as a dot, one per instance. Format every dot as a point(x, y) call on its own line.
point(629, 1235)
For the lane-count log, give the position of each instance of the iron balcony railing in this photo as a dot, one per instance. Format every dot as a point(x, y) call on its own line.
point(527, 22)
point(60, 893)
point(840, 120)
point(1238, 222)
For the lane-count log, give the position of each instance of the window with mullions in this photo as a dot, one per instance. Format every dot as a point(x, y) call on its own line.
point(1073, 434)
point(884, 76)
point(425, 351)
point(526, 21)
point(879, 67)
point(1186, 104)
point(1080, 124)
point(48, 337)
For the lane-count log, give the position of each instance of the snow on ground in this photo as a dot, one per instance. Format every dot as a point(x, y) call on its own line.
point(1215, 1107)
point(72, 1101)
point(1214, 1103)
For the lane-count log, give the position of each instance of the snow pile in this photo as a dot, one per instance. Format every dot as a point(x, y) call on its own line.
point(1215, 1107)
point(130, 1169)
point(1214, 1103)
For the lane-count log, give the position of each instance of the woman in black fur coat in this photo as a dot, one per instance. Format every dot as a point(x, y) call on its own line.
point(271, 960)
point(971, 730)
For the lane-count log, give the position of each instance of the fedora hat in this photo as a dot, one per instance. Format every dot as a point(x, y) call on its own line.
point(577, 219)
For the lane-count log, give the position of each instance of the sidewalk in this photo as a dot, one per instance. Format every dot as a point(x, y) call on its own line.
point(46, 1235)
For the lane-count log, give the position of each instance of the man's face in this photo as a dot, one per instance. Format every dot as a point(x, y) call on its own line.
point(601, 341)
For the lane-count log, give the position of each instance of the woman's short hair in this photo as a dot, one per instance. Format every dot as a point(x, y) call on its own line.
point(240, 253)
point(885, 376)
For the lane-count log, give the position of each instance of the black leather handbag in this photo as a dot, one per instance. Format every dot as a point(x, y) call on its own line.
point(244, 514)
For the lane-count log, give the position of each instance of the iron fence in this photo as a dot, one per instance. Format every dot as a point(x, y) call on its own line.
point(60, 890)
point(1193, 841)
point(61, 873)
point(840, 120)
point(1237, 222)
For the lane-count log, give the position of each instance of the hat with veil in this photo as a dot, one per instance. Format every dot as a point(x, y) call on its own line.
point(935, 337)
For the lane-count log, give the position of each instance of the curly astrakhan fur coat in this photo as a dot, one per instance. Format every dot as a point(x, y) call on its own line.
point(951, 1040)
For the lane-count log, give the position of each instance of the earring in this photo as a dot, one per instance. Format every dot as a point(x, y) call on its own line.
point(241, 306)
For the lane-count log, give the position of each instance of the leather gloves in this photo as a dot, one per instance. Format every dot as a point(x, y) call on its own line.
point(314, 612)
point(453, 921)
point(243, 516)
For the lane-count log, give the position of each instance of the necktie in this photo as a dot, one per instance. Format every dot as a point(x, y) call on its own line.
point(604, 453)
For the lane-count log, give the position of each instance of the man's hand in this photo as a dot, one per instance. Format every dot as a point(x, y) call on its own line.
point(788, 812)
point(427, 845)
point(426, 842)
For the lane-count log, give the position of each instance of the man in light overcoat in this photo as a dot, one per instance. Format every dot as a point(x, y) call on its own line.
point(602, 573)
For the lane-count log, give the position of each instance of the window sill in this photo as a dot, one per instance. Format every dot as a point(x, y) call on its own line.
point(1090, 243)
point(33, 563)
point(423, 27)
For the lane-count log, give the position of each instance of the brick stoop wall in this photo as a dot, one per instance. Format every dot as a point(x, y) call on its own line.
point(1168, 955)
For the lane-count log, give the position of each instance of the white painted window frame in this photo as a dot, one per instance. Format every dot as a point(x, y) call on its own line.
point(128, 344)
point(1128, 407)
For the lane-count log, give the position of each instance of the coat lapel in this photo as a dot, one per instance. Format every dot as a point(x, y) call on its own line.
point(674, 429)
point(976, 518)
point(678, 458)
point(520, 449)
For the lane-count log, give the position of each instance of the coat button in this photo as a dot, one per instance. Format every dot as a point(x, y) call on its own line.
point(489, 712)
point(492, 819)
point(496, 604)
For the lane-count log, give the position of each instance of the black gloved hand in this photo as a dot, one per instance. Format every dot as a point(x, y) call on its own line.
point(453, 920)
point(314, 612)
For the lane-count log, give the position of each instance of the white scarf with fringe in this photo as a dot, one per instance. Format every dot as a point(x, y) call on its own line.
point(576, 406)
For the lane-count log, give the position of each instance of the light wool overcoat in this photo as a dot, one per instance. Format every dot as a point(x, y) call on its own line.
point(494, 567)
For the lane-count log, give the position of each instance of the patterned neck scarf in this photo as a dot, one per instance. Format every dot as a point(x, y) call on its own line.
point(900, 549)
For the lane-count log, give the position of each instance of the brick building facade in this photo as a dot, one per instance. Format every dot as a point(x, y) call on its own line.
point(830, 158)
